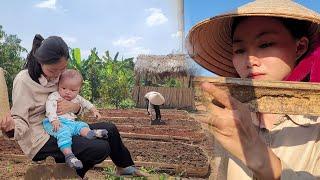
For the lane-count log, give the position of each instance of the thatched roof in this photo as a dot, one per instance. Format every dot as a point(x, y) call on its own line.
point(172, 64)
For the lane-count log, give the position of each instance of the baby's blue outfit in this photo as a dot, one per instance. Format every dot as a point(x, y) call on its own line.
point(67, 129)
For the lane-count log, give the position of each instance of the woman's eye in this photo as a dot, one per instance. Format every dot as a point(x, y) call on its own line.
point(239, 51)
point(265, 45)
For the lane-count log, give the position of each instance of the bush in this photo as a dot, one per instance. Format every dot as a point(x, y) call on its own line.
point(172, 82)
point(127, 104)
point(10, 60)
point(108, 81)
point(86, 91)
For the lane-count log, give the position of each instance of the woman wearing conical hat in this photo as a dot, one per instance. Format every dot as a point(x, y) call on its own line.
point(265, 40)
point(154, 100)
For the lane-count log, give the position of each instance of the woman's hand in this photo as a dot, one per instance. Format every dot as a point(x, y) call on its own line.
point(65, 106)
point(232, 126)
point(7, 123)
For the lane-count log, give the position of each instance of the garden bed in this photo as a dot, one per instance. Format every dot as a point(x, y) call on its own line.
point(143, 111)
point(175, 148)
point(153, 151)
point(15, 167)
point(145, 121)
point(167, 152)
point(9, 146)
point(11, 169)
point(174, 119)
point(161, 133)
point(172, 157)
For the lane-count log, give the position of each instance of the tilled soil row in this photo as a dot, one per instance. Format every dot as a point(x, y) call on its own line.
point(165, 146)
point(166, 114)
point(9, 146)
point(157, 132)
point(167, 152)
point(183, 157)
point(141, 150)
point(143, 121)
point(143, 111)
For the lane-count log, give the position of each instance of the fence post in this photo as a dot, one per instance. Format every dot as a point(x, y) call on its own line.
point(4, 100)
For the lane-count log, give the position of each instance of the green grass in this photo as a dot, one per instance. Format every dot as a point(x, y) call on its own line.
point(110, 174)
point(9, 167)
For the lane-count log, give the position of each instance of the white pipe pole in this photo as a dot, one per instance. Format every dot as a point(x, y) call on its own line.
point(181, 23)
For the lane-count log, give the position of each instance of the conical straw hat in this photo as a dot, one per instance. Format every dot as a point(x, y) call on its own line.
point(4, 101)
point(155, 98)
point(209, 42)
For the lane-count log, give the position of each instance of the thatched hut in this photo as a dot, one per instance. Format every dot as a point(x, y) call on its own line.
point(153, 70)
point(156, 68)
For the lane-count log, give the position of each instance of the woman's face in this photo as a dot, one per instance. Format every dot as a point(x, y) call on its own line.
point(53, 71)
point(263, 49)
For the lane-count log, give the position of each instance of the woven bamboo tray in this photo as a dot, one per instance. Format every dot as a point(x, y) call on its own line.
point(276, 97)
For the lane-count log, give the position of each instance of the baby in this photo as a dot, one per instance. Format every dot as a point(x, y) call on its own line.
point(63, 127)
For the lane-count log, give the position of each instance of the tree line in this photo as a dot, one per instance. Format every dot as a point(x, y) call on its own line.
point(108, 81)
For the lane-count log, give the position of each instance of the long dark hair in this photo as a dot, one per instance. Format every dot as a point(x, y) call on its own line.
point(45, 51)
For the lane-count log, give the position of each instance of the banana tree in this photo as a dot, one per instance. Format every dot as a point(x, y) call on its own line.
point(90, 70)
point(118, 79)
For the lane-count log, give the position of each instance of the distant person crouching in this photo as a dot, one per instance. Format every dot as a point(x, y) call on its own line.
point(153, 101)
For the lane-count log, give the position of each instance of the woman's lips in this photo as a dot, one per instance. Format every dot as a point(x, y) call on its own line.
point(255, 75)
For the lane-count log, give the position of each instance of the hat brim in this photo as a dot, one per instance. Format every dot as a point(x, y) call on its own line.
point(209, 42)
point(156, 99)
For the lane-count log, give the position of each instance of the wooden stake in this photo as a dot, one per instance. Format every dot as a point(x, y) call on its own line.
point(4, 101)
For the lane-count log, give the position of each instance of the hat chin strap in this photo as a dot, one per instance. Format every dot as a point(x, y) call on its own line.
point(310, 64)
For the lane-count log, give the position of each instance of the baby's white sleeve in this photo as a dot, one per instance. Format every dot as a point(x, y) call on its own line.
point(51, 107)
point(85, 104)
